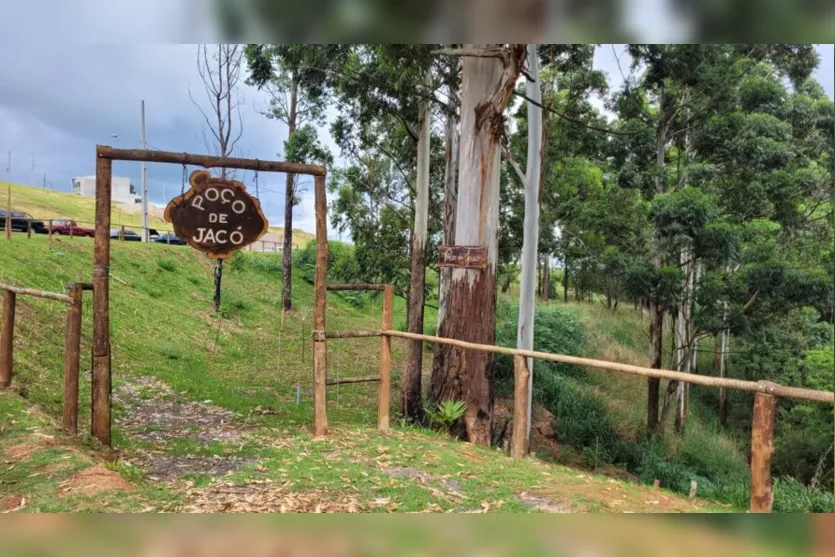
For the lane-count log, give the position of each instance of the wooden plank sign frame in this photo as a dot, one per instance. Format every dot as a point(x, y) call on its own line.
point(216, 215)
point(463, 257)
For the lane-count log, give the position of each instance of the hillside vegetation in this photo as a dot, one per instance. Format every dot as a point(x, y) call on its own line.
point(48, 204)
point(205, 409)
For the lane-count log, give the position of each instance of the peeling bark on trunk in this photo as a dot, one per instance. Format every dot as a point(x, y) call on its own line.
point(412, 401)
point(289, 197)
point(530, 237)
point(458, 374)
point(450, 201)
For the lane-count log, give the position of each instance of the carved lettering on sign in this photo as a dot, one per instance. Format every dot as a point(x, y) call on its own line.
point(216, 215)
point(465, 257)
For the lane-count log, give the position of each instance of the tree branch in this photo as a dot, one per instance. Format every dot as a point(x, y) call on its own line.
point(570, 119)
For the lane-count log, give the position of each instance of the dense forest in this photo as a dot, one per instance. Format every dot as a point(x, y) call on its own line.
point(696, 193)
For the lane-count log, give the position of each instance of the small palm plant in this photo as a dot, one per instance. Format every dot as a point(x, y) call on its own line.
point(447, 413)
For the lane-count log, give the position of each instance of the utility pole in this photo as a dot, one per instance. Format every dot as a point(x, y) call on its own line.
point(144, 184)
point(9, 169)
point(44, 180)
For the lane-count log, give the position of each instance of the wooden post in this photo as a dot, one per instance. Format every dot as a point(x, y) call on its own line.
point(100, 426)
point(122, 233)
point(762, 448)
point(168, 238)
point(520, 444)
point(7, 338)
point(28, 228)
point(72, 348)
point(320, 350)
point(72, 225)
point(384, 392)
point(50, 229)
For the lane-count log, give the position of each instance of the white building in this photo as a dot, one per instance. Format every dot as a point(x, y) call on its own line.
point(120, 188)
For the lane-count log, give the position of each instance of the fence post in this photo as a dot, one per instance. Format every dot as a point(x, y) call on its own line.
point(7, 338)
point(384, 392)
point(100, 407)
point(50, 229)
point(72, 229)
point(28, 228)
point(762, 449)
point(168, 238)
point(72, 349)
point(320, 347)
point(520, 444)
point(122, 233)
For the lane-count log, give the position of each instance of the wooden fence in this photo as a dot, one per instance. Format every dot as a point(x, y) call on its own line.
point(766, 393)
point(72, 342)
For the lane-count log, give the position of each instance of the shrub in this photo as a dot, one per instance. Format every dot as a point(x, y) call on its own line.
point(342, 265)
point(447, 413)
point(791, 496)
point(556, 330)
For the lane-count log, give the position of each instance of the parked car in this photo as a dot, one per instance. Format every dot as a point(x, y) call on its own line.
point(20, 222)
point(169, 238)
point(130, 235)
point(71, 228)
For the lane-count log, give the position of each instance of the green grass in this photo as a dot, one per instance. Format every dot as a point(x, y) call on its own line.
point(248, 362)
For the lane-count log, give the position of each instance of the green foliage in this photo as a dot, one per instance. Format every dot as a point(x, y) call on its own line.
point(447, 413)
point(342, 266)
point(556, 330)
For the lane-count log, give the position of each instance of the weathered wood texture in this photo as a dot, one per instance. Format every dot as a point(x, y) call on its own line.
point(736, 384)
point(462, 257)
point(72, 349)
point(36, 293)
point(101, 379)
point(216, 215)
point(208, 161)
point(520, 442)
point(7, 338)
point(384, 392)
point(353, 334)
point(762, 449)
point(340, 287)
point(344, 380)
point(824, 534)
point(486, 86)
point(320, 350)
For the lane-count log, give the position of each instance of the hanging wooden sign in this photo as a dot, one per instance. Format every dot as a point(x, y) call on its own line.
point(216, 215)
point(465, 257)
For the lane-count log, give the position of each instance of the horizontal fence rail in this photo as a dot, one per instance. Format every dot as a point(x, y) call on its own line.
point(353, 334)
point(37, 293)
point(737, 384)
point(344, 380)
point(343, 287)
point(208, 161)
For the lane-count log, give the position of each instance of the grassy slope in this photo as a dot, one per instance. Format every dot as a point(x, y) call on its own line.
point(162, 327)
point(48, 204)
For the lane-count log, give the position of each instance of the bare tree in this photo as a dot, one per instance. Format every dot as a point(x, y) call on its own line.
point(219, 67)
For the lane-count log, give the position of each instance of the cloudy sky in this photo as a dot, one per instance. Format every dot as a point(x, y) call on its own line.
point(58, 102)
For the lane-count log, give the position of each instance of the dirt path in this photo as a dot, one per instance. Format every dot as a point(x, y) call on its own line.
point(158, 420)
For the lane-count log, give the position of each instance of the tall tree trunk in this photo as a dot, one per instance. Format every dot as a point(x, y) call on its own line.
point(289, 199)
point(723, 370)
point(450, 201)
point(565, 282)
point(530, 236)
point(462, 375)
point(656, 311)
point(412, 403)
point(546, 277)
